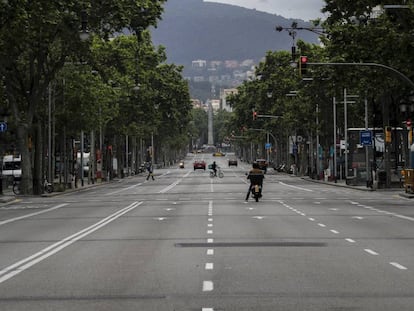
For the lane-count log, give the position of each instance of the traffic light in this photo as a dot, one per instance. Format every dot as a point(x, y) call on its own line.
point(303, 60)
point(254, 115)
point(388, 134)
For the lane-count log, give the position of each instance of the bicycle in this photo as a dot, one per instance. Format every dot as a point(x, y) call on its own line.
point(219, 173)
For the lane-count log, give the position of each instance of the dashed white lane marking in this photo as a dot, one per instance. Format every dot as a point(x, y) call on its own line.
point(210, 225)
point(370, 251)
point(208, 286)
point(258, 217)
point(209, 231)
point(207, 309)
point(210, 219)
point(357, 217)
point(209, 266)
point(334, 231)
point(210, 240)
point(210, 252)
point(321, 225)
point(311, 219)
point(397, 265)
point(350, 240)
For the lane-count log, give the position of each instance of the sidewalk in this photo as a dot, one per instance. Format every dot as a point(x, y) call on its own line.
point(341, 183)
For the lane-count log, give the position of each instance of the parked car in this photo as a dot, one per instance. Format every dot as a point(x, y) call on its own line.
point(233, 162)
point(199, 165)
point(262, 164)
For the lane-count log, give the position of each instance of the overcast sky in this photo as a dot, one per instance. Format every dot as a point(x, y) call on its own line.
point(301, 9)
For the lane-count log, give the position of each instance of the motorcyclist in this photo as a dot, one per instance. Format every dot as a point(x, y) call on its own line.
point(255, 176)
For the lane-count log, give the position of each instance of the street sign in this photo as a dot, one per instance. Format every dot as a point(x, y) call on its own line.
point(365, 138)
point(3, 127)
point(268, 146)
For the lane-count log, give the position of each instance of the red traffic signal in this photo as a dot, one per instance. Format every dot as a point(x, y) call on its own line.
point(408, 123)
point(254, 115)
point(303, 60)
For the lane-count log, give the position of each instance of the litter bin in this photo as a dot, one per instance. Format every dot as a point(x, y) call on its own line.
point(409, 180)
point(382, 178)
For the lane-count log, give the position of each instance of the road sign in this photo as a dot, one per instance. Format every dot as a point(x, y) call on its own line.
point(365, 138)
point(268, 146)
point(3, 126)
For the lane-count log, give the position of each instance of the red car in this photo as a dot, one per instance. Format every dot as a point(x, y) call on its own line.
point(199, 165)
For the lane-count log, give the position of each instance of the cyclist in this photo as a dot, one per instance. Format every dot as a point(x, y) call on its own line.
point(255, 176)
point(214, 168)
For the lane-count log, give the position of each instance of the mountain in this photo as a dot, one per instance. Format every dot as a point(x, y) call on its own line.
point(193, 29)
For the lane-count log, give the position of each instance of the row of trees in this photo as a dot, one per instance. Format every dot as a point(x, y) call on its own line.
point(354, 32)
point(117, 85)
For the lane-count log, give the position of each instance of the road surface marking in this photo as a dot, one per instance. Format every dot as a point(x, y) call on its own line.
point(208, 286)
point(127, 188)
point(357, 217)
point(210, 240)
point(24, 264)
point(209, 225)
point(397, 265)
point(258, 217)
point(207, 309)
point(32, 214)
point(209, 266)
point(311, 219)
point(210, 219)
point(209, 231)
point(370, 251)
point(350, 240)
point(210, 252)
point(334, 231)
point(300, 188)
point(321, 225)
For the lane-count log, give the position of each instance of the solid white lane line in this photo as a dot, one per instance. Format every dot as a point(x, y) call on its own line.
point(30, 261)
point(210, 252)
point(300, 188)
point(32, 214)
point(208, 286)
point(397, 265)
point(209, 266)
point(350, 240)
point(370, 251)
point(123, 189)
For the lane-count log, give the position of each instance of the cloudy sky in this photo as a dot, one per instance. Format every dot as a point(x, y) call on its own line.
point(301, 9)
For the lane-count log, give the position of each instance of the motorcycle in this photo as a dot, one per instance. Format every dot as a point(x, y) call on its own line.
point(256, 192)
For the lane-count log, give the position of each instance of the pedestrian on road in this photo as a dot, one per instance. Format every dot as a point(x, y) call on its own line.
point(150, 171)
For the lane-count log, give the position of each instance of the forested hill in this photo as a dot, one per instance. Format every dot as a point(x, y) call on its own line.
point(193, 29)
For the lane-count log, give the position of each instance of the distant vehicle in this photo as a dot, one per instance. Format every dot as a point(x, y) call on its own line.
point(218, 154)
point(11, 166)
point(232, 162)
point(181, 164)
point(199, 165)
point(262, 164)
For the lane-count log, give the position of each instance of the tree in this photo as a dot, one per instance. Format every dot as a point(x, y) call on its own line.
point(36, 38)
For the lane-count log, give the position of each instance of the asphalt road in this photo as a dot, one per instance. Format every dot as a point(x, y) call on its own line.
point(186, 241)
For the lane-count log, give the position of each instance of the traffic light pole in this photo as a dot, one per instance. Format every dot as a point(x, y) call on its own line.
point(400, 74)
